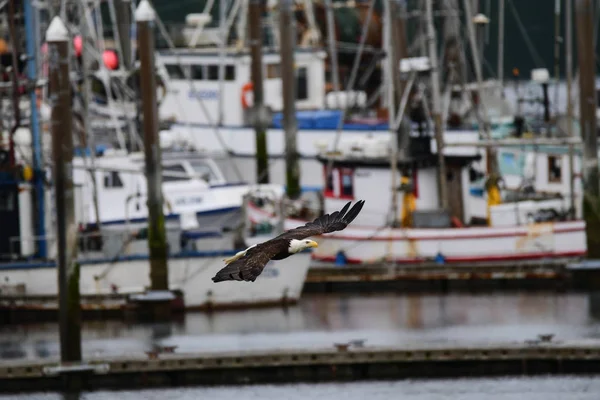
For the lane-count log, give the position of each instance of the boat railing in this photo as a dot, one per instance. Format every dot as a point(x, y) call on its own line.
point(113, 243)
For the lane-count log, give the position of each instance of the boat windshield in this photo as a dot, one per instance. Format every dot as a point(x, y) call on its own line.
point(203, 171)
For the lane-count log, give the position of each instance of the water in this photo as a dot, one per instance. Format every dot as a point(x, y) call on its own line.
point(538, 388)
point(319, 321)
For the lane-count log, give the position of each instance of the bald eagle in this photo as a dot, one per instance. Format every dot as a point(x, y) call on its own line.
point(248, 264)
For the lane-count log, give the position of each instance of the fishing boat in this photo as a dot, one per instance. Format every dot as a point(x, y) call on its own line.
point(513, 231)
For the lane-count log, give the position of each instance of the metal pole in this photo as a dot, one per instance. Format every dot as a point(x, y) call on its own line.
point(331, 39)
point(87, 91)
point(569, 73)
point(557, 40)
point(123, 15)
point(286, 50)
point(157, 238)
point(389, 80)
point(260, 125)
point(223, 35)
point(584, 12)
point(61, 124)
point(501, 41)
point(437, 109)
point(36, 140)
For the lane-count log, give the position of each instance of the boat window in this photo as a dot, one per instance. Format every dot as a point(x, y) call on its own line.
point(177, 170)
point(273, 71)
point(329, 180)
point(197, 72)
point(301, 83)
point(554, 169)
point(175, 71)
point(112, 179)
point(203, 171)
point(347, 186)
point(7, 201)
point(213, 72)
point(230, 73)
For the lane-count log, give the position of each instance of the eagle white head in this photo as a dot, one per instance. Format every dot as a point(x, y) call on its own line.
point(297, 246)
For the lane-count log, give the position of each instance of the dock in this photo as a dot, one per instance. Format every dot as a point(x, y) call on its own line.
point(427, 277)
point(341, 362)
point(545, 274)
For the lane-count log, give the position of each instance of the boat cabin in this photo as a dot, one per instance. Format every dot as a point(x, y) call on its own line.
point(361, 170)
point(233, 93)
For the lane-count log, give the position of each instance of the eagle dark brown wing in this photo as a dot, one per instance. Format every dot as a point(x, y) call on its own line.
point(336, 221)
point(251, 265)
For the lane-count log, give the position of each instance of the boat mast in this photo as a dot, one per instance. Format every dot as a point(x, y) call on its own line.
point(557, 40)
point(86, 57)
point(389, 80)
point(36, 140)
point(500, 69)
point(287, 42)
point(223, 34)
point(437, 110)
point(333, 62)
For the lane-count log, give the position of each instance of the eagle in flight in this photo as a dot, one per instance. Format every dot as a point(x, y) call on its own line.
point(248, 264)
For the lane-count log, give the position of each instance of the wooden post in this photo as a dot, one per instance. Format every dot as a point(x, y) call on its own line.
point(569, 73)
point(259, 111)
point(57, 37)
point(437, 108)
point(157, 238)
point(286, 50)
point(584, 12)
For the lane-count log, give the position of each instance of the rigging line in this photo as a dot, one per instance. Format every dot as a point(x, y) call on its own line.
point(121, 96)
point(353, 76)
point(534, 54)
point(188, 75)
point(102, 67)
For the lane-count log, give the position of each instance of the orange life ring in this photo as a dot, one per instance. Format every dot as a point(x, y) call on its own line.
point(248, 87)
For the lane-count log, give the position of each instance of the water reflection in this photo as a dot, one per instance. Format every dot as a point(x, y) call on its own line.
point(321, 320)
point(530, 388)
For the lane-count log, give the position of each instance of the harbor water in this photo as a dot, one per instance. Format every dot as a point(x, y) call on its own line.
point(319, 321)
point(536, 388)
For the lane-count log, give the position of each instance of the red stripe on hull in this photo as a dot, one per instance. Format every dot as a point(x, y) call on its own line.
point(466, 259)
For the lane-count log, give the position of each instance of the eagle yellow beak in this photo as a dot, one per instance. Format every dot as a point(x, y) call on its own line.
point(312, 243)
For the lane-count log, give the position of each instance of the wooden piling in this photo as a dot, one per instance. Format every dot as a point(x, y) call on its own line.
point(157, 237)
point(57, 37)
point(286, 50)
point(255, 8)
point(584, 12)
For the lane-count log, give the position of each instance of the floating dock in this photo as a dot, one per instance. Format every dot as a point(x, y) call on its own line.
point(555, 274)
point(552, 274)
point(342, 362)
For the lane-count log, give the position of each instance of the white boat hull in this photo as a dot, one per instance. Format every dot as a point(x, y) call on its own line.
point(367, 245)
point(281, 281)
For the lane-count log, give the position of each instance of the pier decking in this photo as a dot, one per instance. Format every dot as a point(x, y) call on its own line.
point(347, 361)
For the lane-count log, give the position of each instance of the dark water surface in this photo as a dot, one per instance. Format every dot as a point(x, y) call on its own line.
point(321, 320)
point(538, 388)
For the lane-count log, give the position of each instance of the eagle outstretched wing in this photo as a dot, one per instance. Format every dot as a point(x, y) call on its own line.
point(336, 221)
point(249, 266)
